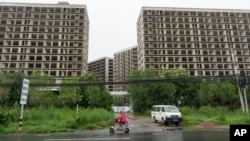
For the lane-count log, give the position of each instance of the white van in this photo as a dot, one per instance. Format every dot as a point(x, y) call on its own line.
point(166, 114)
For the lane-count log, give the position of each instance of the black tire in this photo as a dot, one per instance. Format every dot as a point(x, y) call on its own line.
point(163, 121)
point(112, 130)
point(176, 123)
point(155, 121)
point(126, 130)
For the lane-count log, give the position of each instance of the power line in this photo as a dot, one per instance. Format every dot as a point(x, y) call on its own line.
point(137, 81)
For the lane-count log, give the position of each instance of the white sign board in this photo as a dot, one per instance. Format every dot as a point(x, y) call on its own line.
point(24, 94)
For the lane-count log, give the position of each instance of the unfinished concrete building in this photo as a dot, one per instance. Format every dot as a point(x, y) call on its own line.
point(204, 41)
point(124, 62)
point(51, 38)
point(103, 67)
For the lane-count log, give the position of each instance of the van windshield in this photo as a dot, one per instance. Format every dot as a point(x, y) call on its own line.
point(171, 108)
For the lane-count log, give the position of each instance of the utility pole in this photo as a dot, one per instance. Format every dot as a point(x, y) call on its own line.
point(243, 84)
point(246, 80)
point(236, 77)
point(245, 96)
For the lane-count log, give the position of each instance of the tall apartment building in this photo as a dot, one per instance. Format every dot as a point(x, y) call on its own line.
point(201, 40)
point(103, 67)
point(52, 38)
point(124, 62)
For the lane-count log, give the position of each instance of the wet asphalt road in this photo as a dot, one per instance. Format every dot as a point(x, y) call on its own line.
point(172, 135)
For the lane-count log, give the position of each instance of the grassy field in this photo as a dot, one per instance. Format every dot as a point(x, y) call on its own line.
point(218, 115)
point(44, 120)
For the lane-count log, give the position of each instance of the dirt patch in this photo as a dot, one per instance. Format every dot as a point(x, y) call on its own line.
point(206, 124)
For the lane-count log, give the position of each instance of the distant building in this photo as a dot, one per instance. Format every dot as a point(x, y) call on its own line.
point(201, 40)
point(52, 38)
point(103, 67)
point(124, 62)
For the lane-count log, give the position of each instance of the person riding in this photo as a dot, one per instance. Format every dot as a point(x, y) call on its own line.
point(121, 119)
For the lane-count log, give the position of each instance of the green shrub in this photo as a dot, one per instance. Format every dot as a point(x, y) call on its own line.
point(221, 118)
point(8, 115)
point(218, 115)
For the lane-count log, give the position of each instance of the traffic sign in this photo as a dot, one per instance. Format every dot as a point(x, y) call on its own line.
point(24, 93)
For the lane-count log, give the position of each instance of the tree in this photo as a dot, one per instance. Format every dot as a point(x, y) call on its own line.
point(94, 96)
point(40, 95)
point(228, 94)
point(99, 97)
point(16, 80)
point(187, 93)
point(218, 94)
point(164, 93)
point(4, 91)
point(70, 94)
point(87, 78)
point(183, 89)
point(145, 95)
point(207, 93)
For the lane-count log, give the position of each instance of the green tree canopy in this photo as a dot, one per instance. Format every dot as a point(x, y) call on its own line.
point(95, 95)
point(70, 95)
point(4, 91)
point(16, 79)
point(40, 95)
point(145, 95)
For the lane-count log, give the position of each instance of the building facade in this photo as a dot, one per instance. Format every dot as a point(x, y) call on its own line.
point(51, 38)
point(124, 62)
point(103, 67)
point(207, 42)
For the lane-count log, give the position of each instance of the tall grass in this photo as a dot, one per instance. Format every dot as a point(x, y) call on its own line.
point(218, 115)
point(43, 120)
point(94, 118)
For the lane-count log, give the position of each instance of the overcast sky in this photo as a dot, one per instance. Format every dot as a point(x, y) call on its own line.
point(113, 22)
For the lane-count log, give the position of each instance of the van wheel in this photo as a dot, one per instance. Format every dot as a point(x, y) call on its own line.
point(176, 123)
point(163, 121)
point(155, 121)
